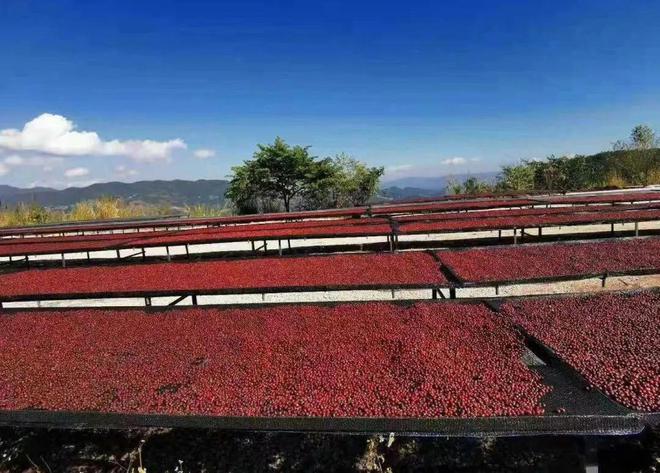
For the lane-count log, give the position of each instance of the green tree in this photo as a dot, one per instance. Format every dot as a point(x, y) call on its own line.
point(642, 137)
point(243, 190)
point(276, 171)
point(354, 182)
point(516, 178)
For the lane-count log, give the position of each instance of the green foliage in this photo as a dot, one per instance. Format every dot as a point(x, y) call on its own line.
point(276, 171)
point(471, 185)
point(516, 178)
point(642, 137)
point(348, 183)
point(623, 168)
point(289, 175)
point(354, 182)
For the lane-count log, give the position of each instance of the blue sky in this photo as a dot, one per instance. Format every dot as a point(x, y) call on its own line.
point(408, 85)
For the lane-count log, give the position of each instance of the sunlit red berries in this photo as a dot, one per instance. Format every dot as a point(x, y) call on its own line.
point(482, 265)
point(331, 271)
point(360, 359)
point(611, 339)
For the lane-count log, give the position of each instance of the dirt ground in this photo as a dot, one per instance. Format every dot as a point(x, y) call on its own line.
point(193, 451)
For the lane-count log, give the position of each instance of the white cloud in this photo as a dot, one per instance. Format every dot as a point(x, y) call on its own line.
point(204, 153)
point(4, 169)
point(47, 163)
point(57, 135)
point(123, 171)
point(76, 172)
point(454, 161)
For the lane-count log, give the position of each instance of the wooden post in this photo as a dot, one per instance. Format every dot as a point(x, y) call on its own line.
point(636, 229)
point(515, 236)
point(167, 248)
point(452, 293)
point(63, 261)
point(279, 247)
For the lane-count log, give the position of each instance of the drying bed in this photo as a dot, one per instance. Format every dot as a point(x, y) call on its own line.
point(452, 206)
point(553, 261)
point(602, 198)
point(613, 340)
point(176, 222)
point(423, 360)
point(201, 236)
point(359, 228)
point(353, 212)
point(448, 203)
point(240, 233)
point(255, 275)
point(19, 246)
point(592, 209)
point(528, 221)
point(135, 236)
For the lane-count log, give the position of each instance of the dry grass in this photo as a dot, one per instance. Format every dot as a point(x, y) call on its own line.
point(103, 208)
point(615, 180)
point(201, 210)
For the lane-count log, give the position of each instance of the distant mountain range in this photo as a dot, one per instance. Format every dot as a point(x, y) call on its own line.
point(176, 193)
point(206, 191)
